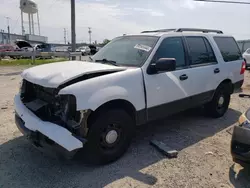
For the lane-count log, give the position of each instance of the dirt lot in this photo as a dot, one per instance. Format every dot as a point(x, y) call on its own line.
point(204, 159)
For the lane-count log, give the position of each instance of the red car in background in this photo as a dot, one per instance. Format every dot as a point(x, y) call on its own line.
point(6, 48)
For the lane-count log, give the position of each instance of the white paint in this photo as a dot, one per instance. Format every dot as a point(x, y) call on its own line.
point(55, 132)
point(54, 74)
point(92, 93)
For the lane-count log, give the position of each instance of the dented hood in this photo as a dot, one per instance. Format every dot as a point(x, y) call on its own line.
point(55, 74)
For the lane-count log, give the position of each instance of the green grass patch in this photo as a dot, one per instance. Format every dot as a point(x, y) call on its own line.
point(12, 62)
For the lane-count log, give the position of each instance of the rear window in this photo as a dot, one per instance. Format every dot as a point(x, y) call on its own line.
point(229, 49)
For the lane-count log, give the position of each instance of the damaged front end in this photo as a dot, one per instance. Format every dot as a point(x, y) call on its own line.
point(46, 104)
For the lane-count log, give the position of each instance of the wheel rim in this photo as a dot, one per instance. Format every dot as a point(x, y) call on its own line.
point(110, 136)
point(221, 101)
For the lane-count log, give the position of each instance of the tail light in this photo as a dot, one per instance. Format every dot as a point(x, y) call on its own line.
point(243, 67)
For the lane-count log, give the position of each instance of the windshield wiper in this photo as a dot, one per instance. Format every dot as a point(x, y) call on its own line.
point(107, 61)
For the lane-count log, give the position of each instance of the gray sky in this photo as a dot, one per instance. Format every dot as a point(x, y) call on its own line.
point(110, 18)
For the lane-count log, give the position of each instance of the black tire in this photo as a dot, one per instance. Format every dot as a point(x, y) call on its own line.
point(216, 108)
point(97, 150)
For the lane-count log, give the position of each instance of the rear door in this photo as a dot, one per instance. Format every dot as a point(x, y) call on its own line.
point(204, 70)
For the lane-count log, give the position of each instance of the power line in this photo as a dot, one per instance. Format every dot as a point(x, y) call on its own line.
point(52, 4)
point(215, 1)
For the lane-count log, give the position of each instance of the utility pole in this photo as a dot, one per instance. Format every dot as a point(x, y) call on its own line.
point(73, 27)
point(2, 31)
point(65, 33)
point(8, 28)
point(89, 35)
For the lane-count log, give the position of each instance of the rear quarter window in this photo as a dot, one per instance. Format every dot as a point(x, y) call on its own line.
point(229, 48)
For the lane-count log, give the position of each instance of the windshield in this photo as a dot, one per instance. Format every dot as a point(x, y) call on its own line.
point(127, 50)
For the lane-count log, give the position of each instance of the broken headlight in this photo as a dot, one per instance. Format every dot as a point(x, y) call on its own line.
point(66, 110)
point(244, 122)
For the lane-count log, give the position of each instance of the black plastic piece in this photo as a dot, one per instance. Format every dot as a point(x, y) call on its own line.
point(244, 96)
point(164, 149)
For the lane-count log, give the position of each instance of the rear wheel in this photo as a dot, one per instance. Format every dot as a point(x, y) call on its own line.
point(220, 102)
point(109, 136)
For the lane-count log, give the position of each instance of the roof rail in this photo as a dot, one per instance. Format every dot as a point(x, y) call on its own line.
point(199, 30)
point(159, 30)
point(185, 29)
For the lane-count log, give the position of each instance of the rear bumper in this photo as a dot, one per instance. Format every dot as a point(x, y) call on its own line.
point(240, 145)
point(29, 124)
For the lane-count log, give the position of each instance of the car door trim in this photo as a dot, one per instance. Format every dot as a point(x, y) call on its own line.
point(164, 110)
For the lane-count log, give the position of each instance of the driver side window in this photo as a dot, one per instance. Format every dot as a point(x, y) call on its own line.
point(171, 47)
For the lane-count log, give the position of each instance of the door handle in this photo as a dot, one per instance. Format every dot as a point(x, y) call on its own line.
point(183, 77)
point(217, 70)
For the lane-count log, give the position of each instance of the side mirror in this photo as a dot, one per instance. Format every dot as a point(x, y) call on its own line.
point(162, 65)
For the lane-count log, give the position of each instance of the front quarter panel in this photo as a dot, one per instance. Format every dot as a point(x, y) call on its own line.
point(92, 93)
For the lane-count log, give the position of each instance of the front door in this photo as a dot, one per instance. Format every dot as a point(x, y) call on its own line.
point(168, 92)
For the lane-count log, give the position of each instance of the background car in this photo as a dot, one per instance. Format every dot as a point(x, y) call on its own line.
point(246, 56)
point(84, 49)
point(7, 48)
point(240, 143)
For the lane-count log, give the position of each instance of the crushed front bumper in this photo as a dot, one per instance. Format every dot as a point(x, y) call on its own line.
point(240, 145)
point(43, 133)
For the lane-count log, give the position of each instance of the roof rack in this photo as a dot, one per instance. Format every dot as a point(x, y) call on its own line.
point(185, 29)
point(199, 30)
point(159, 30)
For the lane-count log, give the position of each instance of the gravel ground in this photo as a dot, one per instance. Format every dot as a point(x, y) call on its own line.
point(204, 158)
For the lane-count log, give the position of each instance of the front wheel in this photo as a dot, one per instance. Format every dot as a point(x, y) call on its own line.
point(220, 102)
point(109, 136)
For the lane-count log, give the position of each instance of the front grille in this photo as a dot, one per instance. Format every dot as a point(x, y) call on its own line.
point(30, 91)
point(47, 105)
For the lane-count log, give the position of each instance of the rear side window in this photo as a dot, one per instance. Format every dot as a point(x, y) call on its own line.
point(228, 48)
point(200, 51)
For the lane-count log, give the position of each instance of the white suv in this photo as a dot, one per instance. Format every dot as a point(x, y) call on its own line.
point(134, 79)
